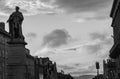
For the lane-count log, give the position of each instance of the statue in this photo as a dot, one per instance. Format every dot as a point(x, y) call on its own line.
point(15, 24)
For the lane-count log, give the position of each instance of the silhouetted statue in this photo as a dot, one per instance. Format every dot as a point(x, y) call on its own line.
point(15, 24)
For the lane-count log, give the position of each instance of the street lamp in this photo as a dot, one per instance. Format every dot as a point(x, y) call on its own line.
point(97, 67)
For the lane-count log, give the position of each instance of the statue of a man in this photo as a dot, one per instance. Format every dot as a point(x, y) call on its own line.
point(15, 23)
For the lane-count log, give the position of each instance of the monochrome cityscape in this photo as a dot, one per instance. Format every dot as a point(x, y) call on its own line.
point(17, 61)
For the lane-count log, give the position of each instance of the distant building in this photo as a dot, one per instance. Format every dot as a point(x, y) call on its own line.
point(100, 76)
point(64, 76)
point(45, 69)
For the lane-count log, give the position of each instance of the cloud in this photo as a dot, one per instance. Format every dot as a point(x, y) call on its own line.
point(31, 36)
point(28, 7)
point(93, 48)
point(86, 9)
point(53, 40)
point(56, 38)
point(94, 15)
point(104, 37)
point(96, 49)
point(44, 52)
point(89, 70)
point(77, 64)
point(82, 10)
point(100, 36)
point(102, 40)
point(65, 67)
point(79, 72)
point(82, 5)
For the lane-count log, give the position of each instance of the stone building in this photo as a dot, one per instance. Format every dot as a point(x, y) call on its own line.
point(109, 70)
point(115, 50)
point(45, 69)
point(15, 59)
point(49, 69)
point(4, 37)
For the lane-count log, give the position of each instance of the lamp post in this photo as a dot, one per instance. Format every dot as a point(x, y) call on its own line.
point(97, 67)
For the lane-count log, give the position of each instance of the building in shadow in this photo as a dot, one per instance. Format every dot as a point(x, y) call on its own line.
point(45, 69)
point(64, 76)
point(100, 76)
point(112, 65)
point(109, 70)
point(4, 38)
point(15, 59)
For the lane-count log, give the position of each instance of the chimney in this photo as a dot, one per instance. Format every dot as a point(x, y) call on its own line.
point(2, 25)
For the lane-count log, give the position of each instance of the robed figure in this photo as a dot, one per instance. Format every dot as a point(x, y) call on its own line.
point(15, 24)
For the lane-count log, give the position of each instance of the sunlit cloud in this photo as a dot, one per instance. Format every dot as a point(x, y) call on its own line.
point(28, 7)
point(44, 52)
point(84, 54)
point(81, 10)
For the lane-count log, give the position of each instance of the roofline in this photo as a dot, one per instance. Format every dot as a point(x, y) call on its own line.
point(5, 33)
point(113, 10)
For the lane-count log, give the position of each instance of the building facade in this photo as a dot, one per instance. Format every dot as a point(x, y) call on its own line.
point(112, 67)
point(45, 68)
point(4, 37)
point(109, 69)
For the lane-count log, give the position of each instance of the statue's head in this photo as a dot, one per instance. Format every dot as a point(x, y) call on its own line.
point(17, 8)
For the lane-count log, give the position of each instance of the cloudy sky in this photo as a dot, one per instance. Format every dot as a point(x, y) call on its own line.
point(73, 33)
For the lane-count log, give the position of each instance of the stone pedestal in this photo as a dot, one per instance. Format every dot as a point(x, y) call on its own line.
point(16, 60)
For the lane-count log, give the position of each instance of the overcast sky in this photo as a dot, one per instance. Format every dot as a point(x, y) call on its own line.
point(73, 33)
